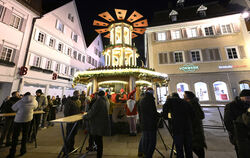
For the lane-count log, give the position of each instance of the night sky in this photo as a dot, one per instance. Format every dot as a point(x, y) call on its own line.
point(89, 10)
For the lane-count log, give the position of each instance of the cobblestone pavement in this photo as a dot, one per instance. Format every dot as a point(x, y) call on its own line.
point(124, 146)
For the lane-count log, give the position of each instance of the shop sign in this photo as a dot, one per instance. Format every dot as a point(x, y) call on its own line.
point(231, 66)
point(189, 68)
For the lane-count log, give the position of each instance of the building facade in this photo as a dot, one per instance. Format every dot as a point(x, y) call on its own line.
point(207, 53)
point(15, 24)
point(58, 50)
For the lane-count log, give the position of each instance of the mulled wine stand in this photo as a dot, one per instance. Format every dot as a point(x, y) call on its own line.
point(34, 122)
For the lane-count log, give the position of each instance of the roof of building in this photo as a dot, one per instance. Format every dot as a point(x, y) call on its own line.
point(189, 13)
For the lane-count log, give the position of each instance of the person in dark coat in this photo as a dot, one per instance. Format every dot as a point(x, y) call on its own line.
point(9, 121)
point(91, 137)
point(233, 117)
point(73, 106)
point(64, 99)
point(179, 113)
point(99, 121)
point(198, 138)
point(148, 116)
point(50, 105)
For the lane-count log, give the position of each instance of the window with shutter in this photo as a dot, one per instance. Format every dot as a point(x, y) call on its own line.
point(1, 11)
point(232, 53)
point(72, 71)
point(209, 31)
point(36, 61)
point(7, 53)
point(48, 65)
point(192, 32)
point(195, 55)
point(178, 56)
point(226, 29)
point(79, 57)
point(160, 58)
point(41, 37)
point(15, 21)
point(176, 34)
point(52, 42)
point(60, 47)
point(57, 67)
point(59, 25)
point(161, 36)
point(75, 54)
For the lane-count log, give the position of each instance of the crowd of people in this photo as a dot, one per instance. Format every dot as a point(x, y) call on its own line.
point(184, 120)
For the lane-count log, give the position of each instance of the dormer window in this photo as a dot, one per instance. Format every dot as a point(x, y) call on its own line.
point(202, 11)
point(180, 3)
point(173, 15)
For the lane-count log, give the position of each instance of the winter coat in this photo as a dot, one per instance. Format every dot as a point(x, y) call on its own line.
point(181, 115)
point(42, 102)
point(148, 114)
point(73, 106)
point(99, 118)
point(198, 138)
point(242, 135)
point(24, 108)
point(6, 107)
point(233, 111)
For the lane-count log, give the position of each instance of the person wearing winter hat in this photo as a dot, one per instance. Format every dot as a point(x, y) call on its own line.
point(148, 117)
point(24, 115)
point(198, 137)
point(236, 116)
point(99, 121)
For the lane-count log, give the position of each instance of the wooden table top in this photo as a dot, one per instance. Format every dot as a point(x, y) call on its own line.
point(69, 119)
point(213, 105)
point(14, 114)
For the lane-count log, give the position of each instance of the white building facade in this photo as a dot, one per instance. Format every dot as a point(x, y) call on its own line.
point(58, 50)
point(15, 25)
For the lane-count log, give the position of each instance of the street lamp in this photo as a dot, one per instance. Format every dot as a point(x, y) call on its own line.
point(245, 14)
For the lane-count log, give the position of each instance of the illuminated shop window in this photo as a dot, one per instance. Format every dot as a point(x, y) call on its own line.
point(161, 94)
point(201, 91)
point(220, 91)
point(244, 85)
point(181, 87)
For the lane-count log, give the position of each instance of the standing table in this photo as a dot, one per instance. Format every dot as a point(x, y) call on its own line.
point(217, 106)
point(70, 119)
point(14, 114)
